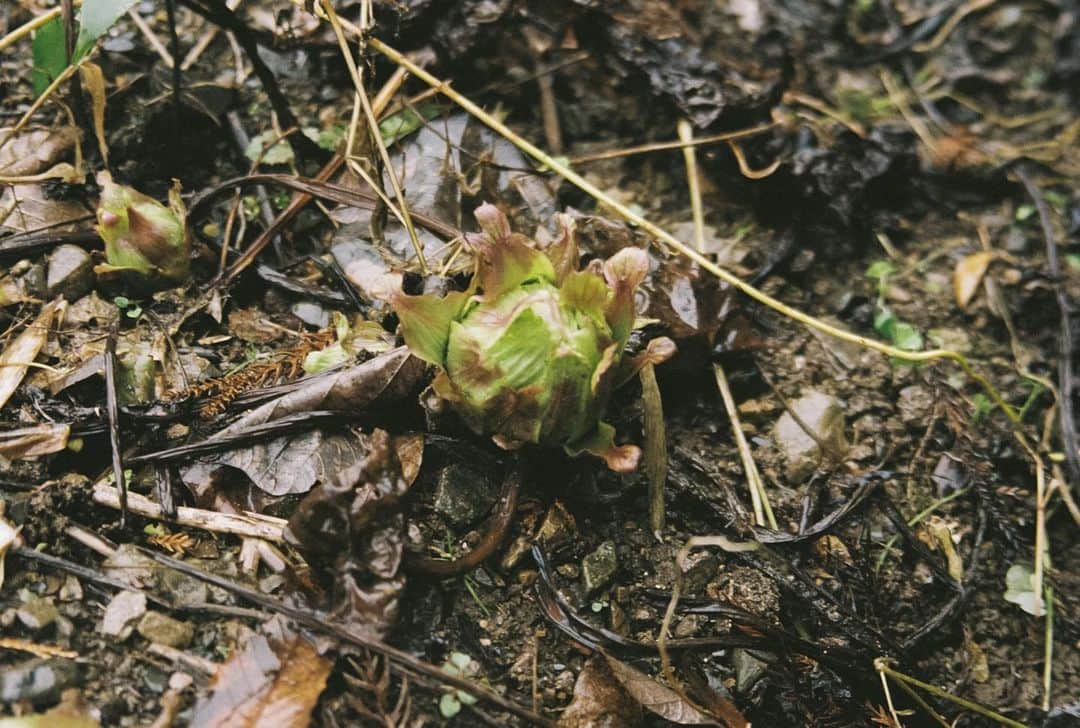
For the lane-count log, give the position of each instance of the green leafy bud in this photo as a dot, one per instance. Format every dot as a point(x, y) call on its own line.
point(141, 234)
point(530, 353)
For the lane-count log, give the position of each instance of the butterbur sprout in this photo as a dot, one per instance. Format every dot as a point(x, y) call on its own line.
point(531, 351)
point(142, 235)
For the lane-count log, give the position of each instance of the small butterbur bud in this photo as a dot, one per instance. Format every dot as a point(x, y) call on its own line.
point(531, 352)
point(142, 235)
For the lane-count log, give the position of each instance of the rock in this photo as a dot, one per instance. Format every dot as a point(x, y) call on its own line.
point(164, 630)
point(699, 568)
point(598, 568)
point(70, 273)
point(915, 404)
point(822, 414)
point(311, 314)
point(37, 614)
point(558, 528)
point(71, 590)
point(125, 609)
point(37, 681)
point(186, 591)
point(462, 496)
point(1016, 241)
point(749, 667)
point(946, 338)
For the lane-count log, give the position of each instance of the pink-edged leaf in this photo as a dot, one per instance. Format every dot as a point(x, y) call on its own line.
point(425, 322)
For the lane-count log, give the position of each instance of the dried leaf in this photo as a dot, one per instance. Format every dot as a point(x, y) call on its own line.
point(969, 274)
point(28, 442)
point(656, 698)
point(9, 536)
point(24, 349)
point(273, 681)
point(599, 700)
point(93, 80)
point(294, 464)
point(34, 151)
point(25, 207)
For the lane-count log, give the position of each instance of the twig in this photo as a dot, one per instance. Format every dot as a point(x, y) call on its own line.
point(321, 623)
point(882, 666)
point(1066, 381)
point(40, 101)
point(114, 424)
point(373, 128)
point(249, 525)
point(656, 454)
point(723, 274)
point(758, 495)
point(151, 38)
point(681, 144)
point(30, 26)
point(693, 184)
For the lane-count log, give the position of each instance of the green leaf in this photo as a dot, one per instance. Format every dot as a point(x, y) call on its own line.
point(523, 352)
point(880, 269)
point(585, 292)
point(425, 323)
point(405, 122)
point(885, 322)
point(279, 153)
point(449, 706)
point(50, 56)
point(1020, 589)
point(907, 337)
point(95, 19)
point(1073, 261)
point(1025, 211)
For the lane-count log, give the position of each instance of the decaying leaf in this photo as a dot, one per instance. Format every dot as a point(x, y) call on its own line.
point(969, 274)
point(71, 712)
point(28, 442)
point(35, 150)
point(352, 531)
point(93, 80)
point(599, 700)
point(21, 352)
point(293, 464)
point(274, 681)
point(9, 536)
point(657, 698)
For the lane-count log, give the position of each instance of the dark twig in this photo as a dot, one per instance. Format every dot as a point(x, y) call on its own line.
point(114, 426)
point(177, 73)
point(1065, 340)
point(492, 539)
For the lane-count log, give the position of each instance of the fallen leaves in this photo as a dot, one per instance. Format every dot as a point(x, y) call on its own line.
point(273, 681)
point(21, 352)
point(28, 442)
point(969, 274)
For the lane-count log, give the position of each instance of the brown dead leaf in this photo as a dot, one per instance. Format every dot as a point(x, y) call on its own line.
point(28, 442)
point(93, 80)
point(273, 681)
point(657, 698)
point(34, 151)
point(21, 352)
point(24, 207)
point(969, 274)
point(599, 700)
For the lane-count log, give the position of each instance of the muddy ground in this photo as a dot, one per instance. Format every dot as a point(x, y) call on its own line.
point(904, 172)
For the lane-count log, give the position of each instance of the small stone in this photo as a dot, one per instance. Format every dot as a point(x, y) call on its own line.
point(164, 630)
point(311, 314)
point(1016, 240)
point(180, 681)
point(957, 340)
point(698, 568)
point(915, 404)
point(568, 571)
point(687, 626)
point(71, 590)
point(37, 681)
point(823, 414)
point(37, 614)
point(749, 667)
point(558, 528)
point(125, 609)
point(70, 273)
point(462, 496)
point(598, 568)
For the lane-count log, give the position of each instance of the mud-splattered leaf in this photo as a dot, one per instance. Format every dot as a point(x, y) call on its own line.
point(21, 352)
point(274, 681)
point(28, 442)
point(969, 274)
point(656, 698)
